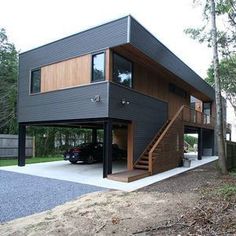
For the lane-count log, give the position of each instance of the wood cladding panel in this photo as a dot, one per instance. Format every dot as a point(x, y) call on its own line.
point(120, 138)
point(168, 158)
point(108, 65)
point(130, 150)
point(70, 73)
point(156, 85)
point(175, 102)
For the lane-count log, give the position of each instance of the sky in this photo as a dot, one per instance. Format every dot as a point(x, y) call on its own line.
point(30, 24)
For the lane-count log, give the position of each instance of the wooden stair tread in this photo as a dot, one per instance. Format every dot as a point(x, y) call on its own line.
point(145, 162)
point(129, 175)
point(141, 167)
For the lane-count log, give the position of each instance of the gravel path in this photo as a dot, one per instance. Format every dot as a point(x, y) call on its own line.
point(22, 195)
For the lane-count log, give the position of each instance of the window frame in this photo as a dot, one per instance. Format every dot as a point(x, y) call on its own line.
point(92, 56)
point(31, 84)
point(132, 69)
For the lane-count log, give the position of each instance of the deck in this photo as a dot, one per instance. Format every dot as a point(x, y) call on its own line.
point(129, 175)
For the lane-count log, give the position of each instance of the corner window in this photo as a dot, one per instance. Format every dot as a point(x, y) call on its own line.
point(122, 70)
point(35, 81)
point(98, 73)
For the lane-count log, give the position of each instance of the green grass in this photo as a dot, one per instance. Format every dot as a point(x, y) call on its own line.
point(31, 160)
point(233, 172)
point(228, 190)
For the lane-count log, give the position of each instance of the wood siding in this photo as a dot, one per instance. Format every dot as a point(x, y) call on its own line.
point(156, 85)
point(120, 138)
point(152, 79)
point(108, 66)
point(65, 74)
point(168, 158)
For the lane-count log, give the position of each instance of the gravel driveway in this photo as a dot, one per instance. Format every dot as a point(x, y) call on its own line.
point(22, 195)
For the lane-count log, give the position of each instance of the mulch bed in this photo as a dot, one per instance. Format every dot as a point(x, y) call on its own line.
point(214, 213)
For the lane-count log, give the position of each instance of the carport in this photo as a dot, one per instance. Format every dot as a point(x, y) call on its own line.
point(107, 125)
point(205, 140)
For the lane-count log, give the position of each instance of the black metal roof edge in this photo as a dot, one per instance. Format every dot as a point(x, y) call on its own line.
point(70, 36)
point(167, 49)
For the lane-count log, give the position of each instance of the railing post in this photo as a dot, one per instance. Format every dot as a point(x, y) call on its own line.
point(21, 144)
point(107, 148)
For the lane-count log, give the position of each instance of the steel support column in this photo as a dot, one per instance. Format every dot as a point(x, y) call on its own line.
point(200, 151)
point(94, 135)
point(107, 148)
point(21, 145)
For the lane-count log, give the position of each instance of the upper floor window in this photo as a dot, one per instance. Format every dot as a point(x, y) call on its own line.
point(35, 83)
point(122, 70)
point(98, 73)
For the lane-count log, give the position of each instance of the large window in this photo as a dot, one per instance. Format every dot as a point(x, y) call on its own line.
point(35, 81)
point(98, 73)
point(122, 70)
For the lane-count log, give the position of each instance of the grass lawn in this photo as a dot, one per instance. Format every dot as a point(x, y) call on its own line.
point(31, 160)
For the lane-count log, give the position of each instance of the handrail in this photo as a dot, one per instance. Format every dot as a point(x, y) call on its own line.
point(161, 137)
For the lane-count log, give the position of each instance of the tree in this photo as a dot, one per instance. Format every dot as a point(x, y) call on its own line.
point(219, 107)
point(208, 33)
point(190, 139)
point(228, 78)
point(225, 10)
point(8, 84)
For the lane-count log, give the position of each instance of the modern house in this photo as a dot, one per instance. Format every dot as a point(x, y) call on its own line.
point(118, 77)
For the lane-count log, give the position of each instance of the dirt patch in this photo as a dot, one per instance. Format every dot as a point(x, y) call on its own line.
point(164, 208)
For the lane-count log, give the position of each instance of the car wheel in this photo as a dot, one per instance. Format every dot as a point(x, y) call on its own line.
point(73, 162)
point(90, 159)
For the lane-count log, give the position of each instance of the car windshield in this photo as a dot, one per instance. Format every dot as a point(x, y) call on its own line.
point(87, 145)
point(84, 145)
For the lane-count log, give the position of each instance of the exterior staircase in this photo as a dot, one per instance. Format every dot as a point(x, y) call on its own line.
point(166, 150)
point(143, 161)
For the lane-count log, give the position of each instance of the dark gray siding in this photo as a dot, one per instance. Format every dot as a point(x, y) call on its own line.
point(68, 104)
point(147, 113)
point(148, 44)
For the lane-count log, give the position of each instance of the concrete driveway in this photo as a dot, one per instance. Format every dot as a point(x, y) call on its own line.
point(22, 195)
point(92, 174)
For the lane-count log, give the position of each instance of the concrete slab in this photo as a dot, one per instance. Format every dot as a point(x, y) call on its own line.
point(92, 174)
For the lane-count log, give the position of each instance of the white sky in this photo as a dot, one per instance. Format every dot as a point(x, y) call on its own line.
point(30, 24)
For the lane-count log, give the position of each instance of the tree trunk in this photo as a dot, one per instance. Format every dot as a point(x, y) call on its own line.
point(219, 108)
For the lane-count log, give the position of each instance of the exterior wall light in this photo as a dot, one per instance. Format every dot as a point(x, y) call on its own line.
point(124, 102)
point(96, 98)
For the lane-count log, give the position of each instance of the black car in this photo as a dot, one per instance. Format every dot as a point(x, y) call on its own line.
point(92, 152)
